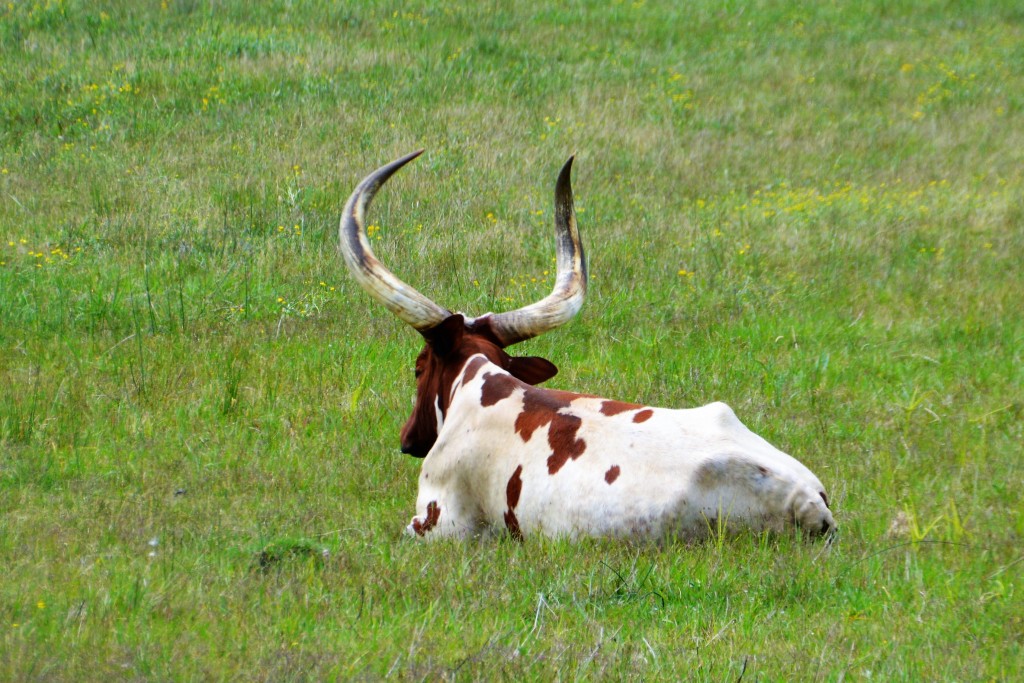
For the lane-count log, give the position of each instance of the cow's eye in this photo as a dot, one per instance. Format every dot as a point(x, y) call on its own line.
point(418, 373)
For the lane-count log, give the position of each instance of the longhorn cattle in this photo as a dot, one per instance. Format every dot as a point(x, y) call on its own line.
point(502, 454)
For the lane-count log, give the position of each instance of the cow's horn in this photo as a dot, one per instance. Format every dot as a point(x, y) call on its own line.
point(566, 298)
point(399, 298)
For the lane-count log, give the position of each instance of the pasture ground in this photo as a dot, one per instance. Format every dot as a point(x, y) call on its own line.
point(812, 211)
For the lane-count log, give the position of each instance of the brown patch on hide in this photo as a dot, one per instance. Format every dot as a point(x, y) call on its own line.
point(540, 408)
point(612, 474)
point(611, 408)
point(512, 491)
point(563, 441)
point(512, 524)
point(433, 516)
point(496, 388)
point(472, 367)
point(643, 416)
point(514, 488)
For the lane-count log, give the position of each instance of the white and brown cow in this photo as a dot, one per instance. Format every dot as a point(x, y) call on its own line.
point(500, 453)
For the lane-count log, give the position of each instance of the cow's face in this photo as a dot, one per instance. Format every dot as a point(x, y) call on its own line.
point(448, 347)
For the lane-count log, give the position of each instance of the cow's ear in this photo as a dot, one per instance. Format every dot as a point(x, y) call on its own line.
point(447, 335)
point(532, 369)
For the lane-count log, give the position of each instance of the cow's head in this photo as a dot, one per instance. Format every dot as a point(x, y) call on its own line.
point(451, 338)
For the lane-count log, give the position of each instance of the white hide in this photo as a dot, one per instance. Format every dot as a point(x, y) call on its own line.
point(680, 472)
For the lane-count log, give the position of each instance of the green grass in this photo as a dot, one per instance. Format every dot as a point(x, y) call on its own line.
point(814, 212)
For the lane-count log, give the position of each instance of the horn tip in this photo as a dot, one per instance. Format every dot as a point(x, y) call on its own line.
point(567, 166)
point(402, 161)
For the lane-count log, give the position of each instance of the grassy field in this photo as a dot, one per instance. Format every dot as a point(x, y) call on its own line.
point(812, 211)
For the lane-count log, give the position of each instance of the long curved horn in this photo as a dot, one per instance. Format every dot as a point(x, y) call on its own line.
point(399, 298)
point(566, 298)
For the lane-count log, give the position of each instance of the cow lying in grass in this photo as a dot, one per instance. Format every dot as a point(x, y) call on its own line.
point(501, 453)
